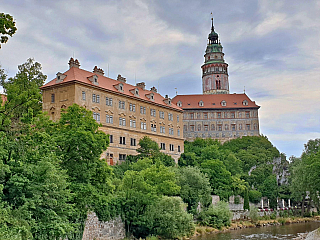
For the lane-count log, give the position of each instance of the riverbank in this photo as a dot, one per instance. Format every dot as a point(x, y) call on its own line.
point(202, 230)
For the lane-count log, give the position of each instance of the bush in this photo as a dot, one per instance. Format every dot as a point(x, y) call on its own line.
point(273, 216)
point(168, 219)
point(236, 200)
point(254, 196)
point(216, 216)
point(253, 214)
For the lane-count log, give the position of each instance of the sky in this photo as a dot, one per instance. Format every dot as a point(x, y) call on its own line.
point(272, 48)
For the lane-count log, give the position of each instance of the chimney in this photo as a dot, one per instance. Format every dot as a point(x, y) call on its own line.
point(167, 97)
point(153, 89)
point(74, 63)
point(141, 85)
point(121, 79)
point(98, 71)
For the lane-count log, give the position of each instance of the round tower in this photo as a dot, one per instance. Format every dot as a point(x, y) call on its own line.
point(215, 69)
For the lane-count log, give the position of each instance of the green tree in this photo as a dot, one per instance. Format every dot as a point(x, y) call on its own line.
point(220, 179)
point(24, 99)
point(195, 187)
point(269, 189)
point(246, 205)
point(216, 216)
point(7, 27)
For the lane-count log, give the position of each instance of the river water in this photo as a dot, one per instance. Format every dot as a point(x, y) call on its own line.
point(271, 232)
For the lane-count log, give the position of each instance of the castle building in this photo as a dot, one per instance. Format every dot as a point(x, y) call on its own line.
point(127, 113)
point(216, 113)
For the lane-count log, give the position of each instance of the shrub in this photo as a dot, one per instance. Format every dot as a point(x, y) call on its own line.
point(236, 200)
point(169, 220)
point(273, 215)
point(253, 214)
point(216, 216)
point(254, 196)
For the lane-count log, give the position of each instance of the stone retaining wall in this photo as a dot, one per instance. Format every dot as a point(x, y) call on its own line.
point(98, 230)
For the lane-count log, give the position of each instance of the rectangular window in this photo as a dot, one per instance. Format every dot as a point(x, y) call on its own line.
point(233, 127)
point(143, 125)
point(170, 117)
point(247, 114)
point(191, 115)
point(109, 119)
point(132, 107)
point(132, 123)
point(218, 114)
point(162, 129)
point(198, 115)
point(179, 149)
point(52, 98)
point(225, 115)
point(178, 118)
point(110, 102)
point(98, 99)
point(122, 121)
point(153, 112)
point(240, 115)
point(143, 110)
point(96, 116)
point(178, 132)
point(170, 131)
point(93, 98)
point(133, 142)
point(192, 128)
point(122, 157)
point(161, 114)
point(205, 115)
point(153, 127)
point(185, 128)
point(123, 140)
point(247, 126)
point(121, 104)
point(206, 127)
point(171, 147)
point(219, 127)
point(111, 138)
point(83, 95)
point(232, 115)
point(162, 146)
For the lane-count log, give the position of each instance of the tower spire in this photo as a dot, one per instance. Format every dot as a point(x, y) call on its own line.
point(212, 27)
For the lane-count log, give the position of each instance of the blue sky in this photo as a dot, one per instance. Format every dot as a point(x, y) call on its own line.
point(272, 48)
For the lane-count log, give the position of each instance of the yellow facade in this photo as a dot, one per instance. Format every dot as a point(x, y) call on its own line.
point(129, 122)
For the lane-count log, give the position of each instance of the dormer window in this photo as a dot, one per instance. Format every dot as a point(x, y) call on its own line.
point(179, 104)
point(201, 103)
point(119, 87)
point(223, 103)
point(137, 91)
point(150, 96)
point(60, 77)
point(245, 103)
point(94, 79)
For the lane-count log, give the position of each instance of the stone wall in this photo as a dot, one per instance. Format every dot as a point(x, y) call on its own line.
point(98, 230)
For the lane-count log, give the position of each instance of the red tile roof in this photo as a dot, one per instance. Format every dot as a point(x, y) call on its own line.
point(75, 74)
point(3, 98)
point(213, 101)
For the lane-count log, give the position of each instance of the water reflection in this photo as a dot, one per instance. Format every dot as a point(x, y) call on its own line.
point(273, 232)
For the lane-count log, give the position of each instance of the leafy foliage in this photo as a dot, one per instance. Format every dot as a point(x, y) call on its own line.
point(7, 27)
point(216, 216)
